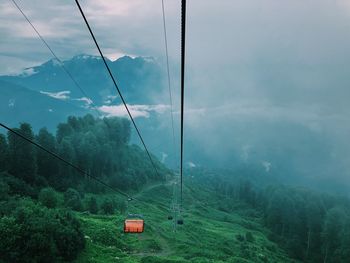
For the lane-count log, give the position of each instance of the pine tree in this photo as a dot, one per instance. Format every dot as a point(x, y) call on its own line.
point(22, 154)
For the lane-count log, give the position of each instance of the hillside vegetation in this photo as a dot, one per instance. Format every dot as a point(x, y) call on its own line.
point(51, 213)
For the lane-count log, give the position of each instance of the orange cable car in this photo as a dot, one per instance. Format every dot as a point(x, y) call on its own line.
point(134, 224)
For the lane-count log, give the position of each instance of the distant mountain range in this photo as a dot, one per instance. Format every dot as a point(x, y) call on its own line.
point(44, 95)
point(140, 79)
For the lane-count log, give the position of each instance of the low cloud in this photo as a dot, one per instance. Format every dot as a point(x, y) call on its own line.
point(191, 165)
point(110, 99)
point(86, 100)
point(61, 95)
point(11, 103)
point(136, 111)
point(266, 165)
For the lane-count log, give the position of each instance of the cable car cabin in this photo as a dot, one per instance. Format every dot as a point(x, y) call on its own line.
point(180, 222)
point(134, 225)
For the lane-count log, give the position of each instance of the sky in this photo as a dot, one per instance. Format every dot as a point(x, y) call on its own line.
point(121, 27)
point(257, 61)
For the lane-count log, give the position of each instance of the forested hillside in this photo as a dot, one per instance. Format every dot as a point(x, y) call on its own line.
point(100, 147)
point(51, 213)
point(311, 226)
point(38, 192)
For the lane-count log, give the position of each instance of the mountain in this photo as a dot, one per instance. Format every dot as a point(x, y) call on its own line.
point(292, 151)
point(140, 79)
point(19, 104)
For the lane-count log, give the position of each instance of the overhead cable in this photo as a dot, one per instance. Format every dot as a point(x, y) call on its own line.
point(116, 86)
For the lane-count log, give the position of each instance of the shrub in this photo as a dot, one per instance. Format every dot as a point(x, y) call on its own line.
point(92, 205)
point(72, 199)
point(240, 238)
point(153, 245)
point(249, 237)
point(108, 207)
point(4, 190)
point(17, 186)
point(121, 206)
point(105, 236)
point(33, 233)
point(48, 197)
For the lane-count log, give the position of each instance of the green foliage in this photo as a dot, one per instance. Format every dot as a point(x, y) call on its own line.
point(4, 190)
point(154, 259)
point(47, 165)
point(240, 237)
point(152, 245)
point(92, 205)
point(4, 153)
point(16, 186)
point(72, 199)
point(121, 206)
point(98, 146)
point(105, 236)
point(108, 206)
point(32, 233)
point(48, 197)
point(249, 237)
point(22, 154)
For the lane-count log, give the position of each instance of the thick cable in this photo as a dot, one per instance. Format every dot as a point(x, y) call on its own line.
point(183, 41)
point(116, 86)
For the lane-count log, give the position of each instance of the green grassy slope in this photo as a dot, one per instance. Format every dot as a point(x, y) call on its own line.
point(209, 234)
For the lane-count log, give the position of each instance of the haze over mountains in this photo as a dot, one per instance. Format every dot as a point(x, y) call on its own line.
point(46, 95)
point(281, 149)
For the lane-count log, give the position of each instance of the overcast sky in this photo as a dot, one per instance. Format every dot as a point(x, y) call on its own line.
point(291, 53)
point(121, 27)
point(268, 59)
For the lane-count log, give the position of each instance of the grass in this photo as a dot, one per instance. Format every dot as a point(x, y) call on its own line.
point(208, 234)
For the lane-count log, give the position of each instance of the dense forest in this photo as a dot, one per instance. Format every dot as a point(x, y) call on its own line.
point(43, 202)
point(38, 193)
point(311, 226)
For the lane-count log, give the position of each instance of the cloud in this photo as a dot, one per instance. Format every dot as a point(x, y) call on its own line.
point(247, 62)
point(61, 95)
point(110, 99)
point(136, 111)
point(266, 165)
point(191, 165)
point(163, 157)
point(11, 103)
point(86, 100)
point(121, 28)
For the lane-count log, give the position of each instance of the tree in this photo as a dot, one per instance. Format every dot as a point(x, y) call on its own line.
point(332, 229)
point(32, 233)
point(63, 130)
point(4, 152)
point(48, 197)
point(108, 206)
point(92, 205)
point(47, 165)
point(72, 199)
point(121, 206)
point(22, 154)
point(4, 190)
point(66, 173)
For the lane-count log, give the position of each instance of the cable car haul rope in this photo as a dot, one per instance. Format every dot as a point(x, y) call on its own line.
point(134, 223)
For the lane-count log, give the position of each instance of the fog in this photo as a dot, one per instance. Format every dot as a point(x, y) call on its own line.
point(267, 82)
